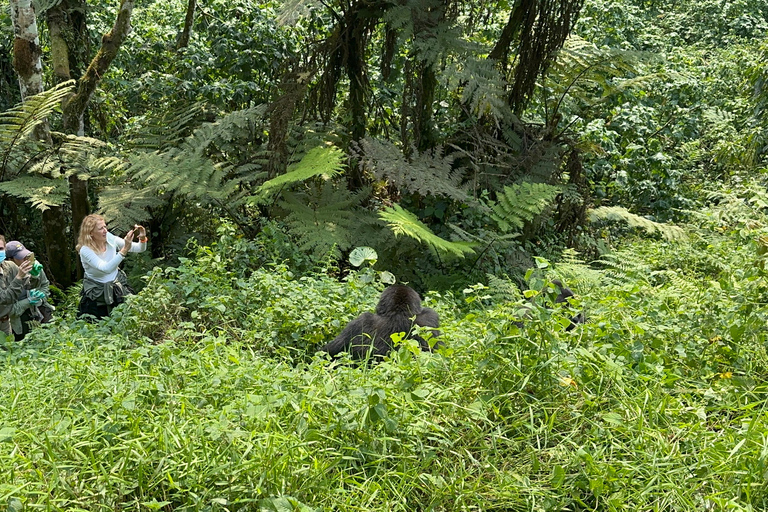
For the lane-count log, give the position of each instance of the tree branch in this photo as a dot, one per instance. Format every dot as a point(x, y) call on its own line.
point(110, 44)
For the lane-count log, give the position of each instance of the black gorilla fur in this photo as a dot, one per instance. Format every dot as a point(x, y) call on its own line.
point(564, 293)
point(372, 333)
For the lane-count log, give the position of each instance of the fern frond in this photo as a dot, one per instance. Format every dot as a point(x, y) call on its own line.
point(521, 203)
point(165, 130)
point(680, 287)
point(590, 74)
point(175, 173)
point(212, 166)
point(228, 134)
point(576, 273)
point(124, 206)
point(325, 161)
point(73, 156)
point(110, 164)
point(22, 119)
point(326, 217)
point(195, 176)
point(503, 289)
point(617, 213)
point(19, 122)
point(403, 222)
point(426, 174)
point(482, 86)
point(41, 192)
point(624, 267)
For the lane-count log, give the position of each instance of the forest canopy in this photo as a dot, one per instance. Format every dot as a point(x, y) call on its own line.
point(459, 139)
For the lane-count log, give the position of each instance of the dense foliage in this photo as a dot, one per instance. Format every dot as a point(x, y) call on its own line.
point(203, 393)
point(261, 152)
point(645, 106)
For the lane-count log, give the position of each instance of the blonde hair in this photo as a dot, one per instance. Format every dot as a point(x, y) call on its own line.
point(2, 237)
point(84, 238)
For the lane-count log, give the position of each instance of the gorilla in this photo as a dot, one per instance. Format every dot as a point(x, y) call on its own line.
point(399, 308)
point(564, 293)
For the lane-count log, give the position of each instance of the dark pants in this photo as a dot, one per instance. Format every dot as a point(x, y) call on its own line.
point(28, 317)
point(25, 319)
point(91, 307)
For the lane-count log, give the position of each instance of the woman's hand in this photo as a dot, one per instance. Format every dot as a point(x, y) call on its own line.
point(140, 231)
point(128, 243)
point(24, 269)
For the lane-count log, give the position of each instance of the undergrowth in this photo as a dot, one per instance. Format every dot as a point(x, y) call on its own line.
point(204, 392)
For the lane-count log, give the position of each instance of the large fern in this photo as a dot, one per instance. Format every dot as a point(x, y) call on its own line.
point(18, 149)
point(625, 267)
point(466, 71)
point(503, 289)
point(36, 170)
point(521, 203)
point(586, 75)
point(617, 213)
point(326, 217)
point(19, 122)
point(403, 222)
point(204, 168)
point(39, 191)
point(166, 130)
point(325, 161)
point(481, 86)
point(426, 174)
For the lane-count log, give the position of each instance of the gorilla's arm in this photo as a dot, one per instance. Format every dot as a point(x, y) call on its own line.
point(428, 318)
point(351, 333)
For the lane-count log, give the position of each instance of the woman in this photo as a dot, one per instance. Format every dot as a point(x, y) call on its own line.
point(101, 252)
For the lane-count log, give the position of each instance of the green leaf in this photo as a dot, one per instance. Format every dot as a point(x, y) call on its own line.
point(362, 254)
point(6, 434)
point(154, 504)
point(325, 161)
point(403, 222)
point(283, 504)
point(387, 277)
point(558, 476)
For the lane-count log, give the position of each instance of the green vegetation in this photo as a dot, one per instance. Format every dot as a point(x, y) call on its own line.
point(203, 392)
point(290, 158)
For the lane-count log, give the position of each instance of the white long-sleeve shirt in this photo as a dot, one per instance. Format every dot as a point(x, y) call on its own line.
point(102, 268)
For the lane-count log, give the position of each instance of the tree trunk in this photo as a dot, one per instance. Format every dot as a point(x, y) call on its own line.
point(188, 20)
point(70, 43)
point(57, 245)
point(74, 108)
point(543, 27)
point(26, 56)
point(26, 48)
point(424, 132)
point(57, 27)
point(66, 24)
point(280, 112)
point(355, 44)
point(26, 61)
point(511, 32)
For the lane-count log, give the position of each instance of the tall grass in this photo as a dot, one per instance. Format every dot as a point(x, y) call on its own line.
point(204, 393)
